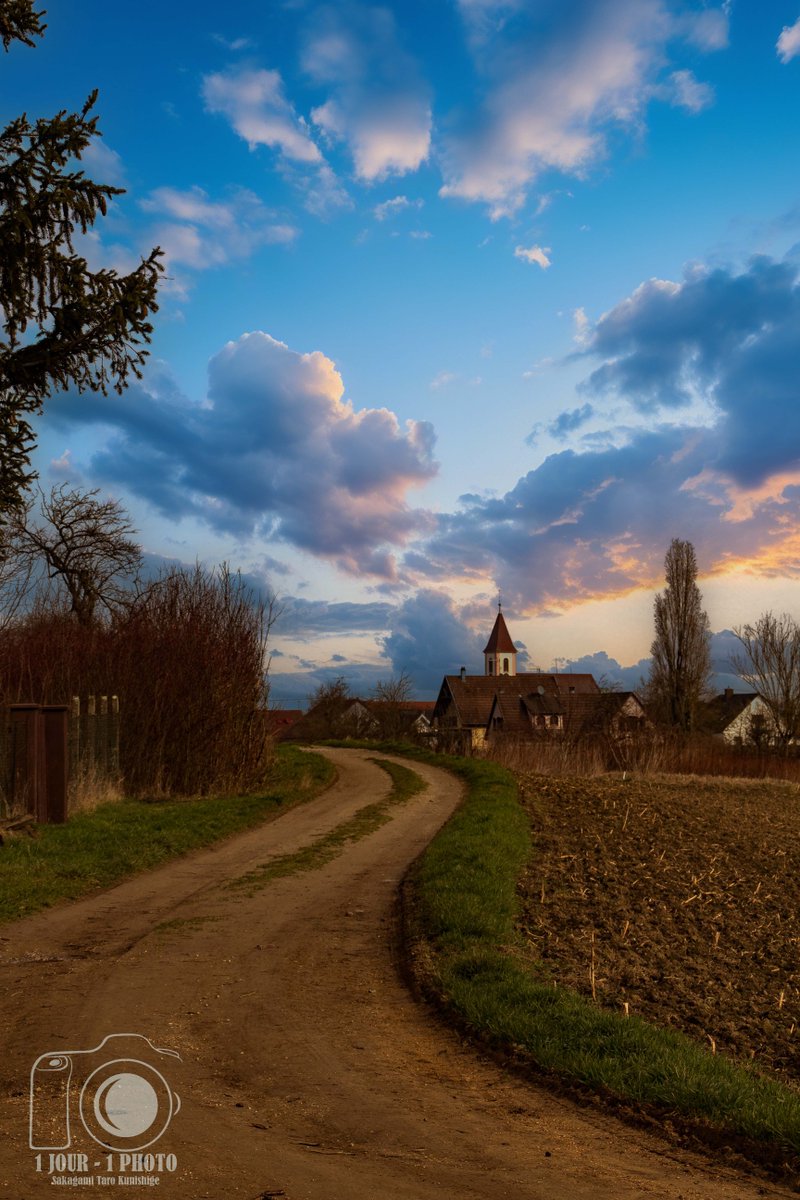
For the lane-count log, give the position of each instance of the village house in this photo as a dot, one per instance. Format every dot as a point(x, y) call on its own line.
point(353, 717)
point(279, 722)
point(472, 710)
point(739, 718)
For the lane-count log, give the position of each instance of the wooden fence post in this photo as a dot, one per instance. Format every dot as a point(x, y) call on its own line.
point(75, 737)
point(27, 750)
point(43, 747)
point(102, 729)
point(91, 730)
point(113, 759)
point(54, 741)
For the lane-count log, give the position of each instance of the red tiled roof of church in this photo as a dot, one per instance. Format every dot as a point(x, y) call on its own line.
point(500, 639)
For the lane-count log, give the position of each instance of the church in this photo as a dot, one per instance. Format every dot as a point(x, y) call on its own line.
point(472, 710)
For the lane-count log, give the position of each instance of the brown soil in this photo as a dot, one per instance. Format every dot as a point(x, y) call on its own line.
point(684, 898)
point(307, 1070)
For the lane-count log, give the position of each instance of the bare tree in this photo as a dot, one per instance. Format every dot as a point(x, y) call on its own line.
point(607, 684)
point(390, 710)
point(325, 707)
point(681, 653)
point(83, 544)
point(396, 690)
point(17, 577)
point(770, 665)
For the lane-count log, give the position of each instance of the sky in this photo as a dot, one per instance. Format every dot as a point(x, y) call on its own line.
point(464, 300)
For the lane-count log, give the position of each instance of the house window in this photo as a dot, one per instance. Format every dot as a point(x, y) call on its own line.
point(505, 666)
point(491, 666)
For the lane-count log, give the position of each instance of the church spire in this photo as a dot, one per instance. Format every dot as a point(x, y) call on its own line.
point(500, 655)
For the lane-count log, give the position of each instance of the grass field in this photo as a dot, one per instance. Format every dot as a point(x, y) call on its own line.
point(96, 849)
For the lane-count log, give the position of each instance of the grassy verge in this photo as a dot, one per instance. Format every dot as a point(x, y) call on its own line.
point(96, 849)
point(405, 784)
point(467, 955)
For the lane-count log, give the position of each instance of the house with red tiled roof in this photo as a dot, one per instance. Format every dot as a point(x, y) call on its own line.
point(467, 703)
point(279, 721)
point(471, 709)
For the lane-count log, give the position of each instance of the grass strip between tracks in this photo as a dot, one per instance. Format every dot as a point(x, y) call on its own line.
point(466, 953)
point(405, 784)
point(97, 849)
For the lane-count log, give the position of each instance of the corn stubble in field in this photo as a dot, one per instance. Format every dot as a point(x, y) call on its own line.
point(676, 900)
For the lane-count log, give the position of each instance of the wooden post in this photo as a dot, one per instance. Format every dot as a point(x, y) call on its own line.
point(54, 739)
point(27, 769)
point(102, 736)
point(75, 737)
point(113, 760)
point(91, 732)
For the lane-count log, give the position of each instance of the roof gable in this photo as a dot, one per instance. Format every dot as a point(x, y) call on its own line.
point(472, 695)
point(716, 715)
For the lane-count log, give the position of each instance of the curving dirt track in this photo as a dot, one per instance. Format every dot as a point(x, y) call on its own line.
point(307, 1069)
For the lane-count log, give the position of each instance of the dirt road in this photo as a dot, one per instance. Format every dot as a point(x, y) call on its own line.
point(306, 1070)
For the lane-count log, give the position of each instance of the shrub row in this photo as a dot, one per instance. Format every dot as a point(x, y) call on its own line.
point(186, 658)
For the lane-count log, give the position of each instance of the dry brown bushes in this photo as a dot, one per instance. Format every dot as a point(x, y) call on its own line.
point(649, 753)
point(187, 660)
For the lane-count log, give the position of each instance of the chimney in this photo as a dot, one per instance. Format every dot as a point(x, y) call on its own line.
point(728, 693)
point(463, 674)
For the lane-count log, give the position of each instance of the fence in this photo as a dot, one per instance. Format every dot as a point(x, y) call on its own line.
point(94, 737)
point(51, 754)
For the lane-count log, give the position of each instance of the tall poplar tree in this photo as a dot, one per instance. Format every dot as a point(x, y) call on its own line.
point(62, 325)
point(681, 654)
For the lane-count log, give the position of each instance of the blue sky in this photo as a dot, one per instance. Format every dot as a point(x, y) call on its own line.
point(464, 298)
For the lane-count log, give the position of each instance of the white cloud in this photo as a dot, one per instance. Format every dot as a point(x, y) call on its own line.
point(390, 208)
point(391, 138)
point(64, 468)
point(192, 205)
point(254, 103)
point(788, 44)
point(235, 45)
point(485, 18)
point(685, 91)
point(582, 334)
point(103, 162)
point(534, 254)
point(322, 191)
point(378, 105)
point(197, 232)
point(113, 255)
point(442, 379)
point(708, 29)
point(276, 450)
point(553, 90)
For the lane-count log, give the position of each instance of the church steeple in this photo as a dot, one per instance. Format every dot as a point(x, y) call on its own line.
point(500, 655)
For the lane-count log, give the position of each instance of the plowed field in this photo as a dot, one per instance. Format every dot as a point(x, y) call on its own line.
point(678, 898)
